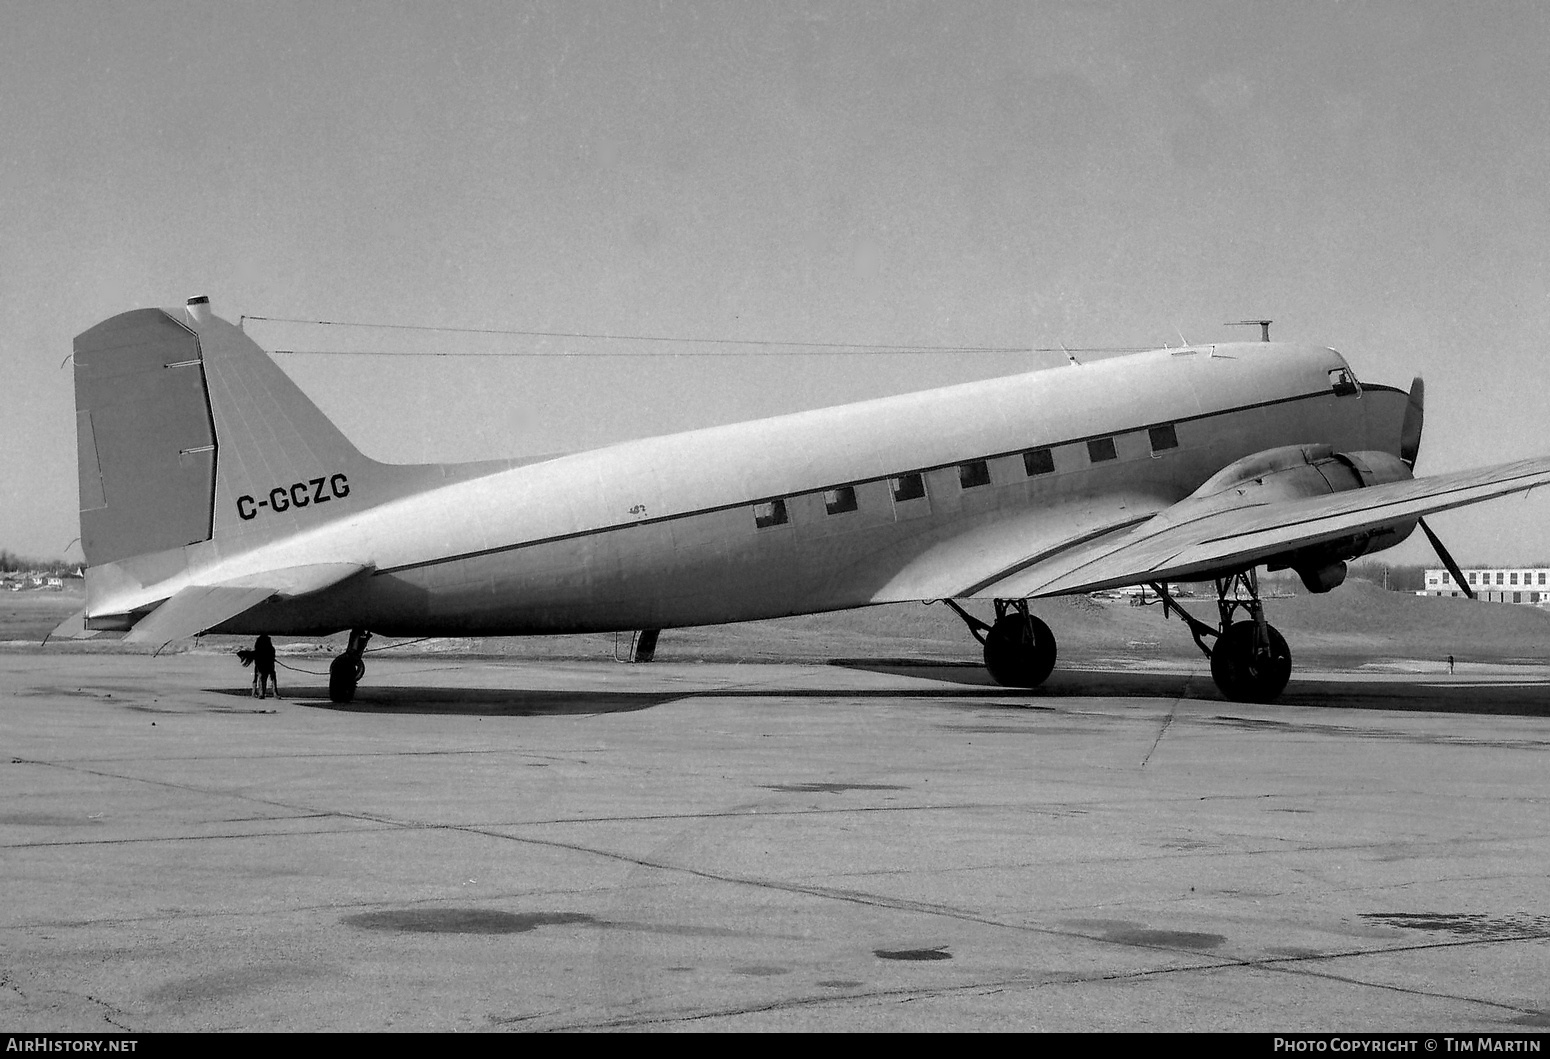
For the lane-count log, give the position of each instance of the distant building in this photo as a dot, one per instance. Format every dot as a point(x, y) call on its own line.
point(1498, 584)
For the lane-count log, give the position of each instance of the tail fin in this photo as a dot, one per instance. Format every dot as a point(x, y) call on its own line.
point(195, 447)
point(188, 432)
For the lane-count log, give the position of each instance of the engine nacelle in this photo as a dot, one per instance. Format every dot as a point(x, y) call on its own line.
point(1294, 472)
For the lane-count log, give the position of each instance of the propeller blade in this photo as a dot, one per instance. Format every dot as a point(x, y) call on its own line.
point(1415, 415)
point(1442, 553)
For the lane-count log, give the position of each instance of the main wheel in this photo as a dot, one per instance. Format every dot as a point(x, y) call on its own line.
point(344, 673)
point(1244, 674)
point(1019, 651)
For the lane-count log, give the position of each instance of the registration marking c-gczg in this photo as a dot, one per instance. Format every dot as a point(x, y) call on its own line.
point(297, 495)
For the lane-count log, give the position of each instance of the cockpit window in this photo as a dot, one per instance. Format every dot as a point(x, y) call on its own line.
point(1344, 383)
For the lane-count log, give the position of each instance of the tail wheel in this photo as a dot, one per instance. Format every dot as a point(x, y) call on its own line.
point(1246, 671)
point(1019, 651)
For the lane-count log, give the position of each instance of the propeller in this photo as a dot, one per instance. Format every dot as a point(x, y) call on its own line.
point(1410, 431)
point(1409, 449)
point(1442, 553)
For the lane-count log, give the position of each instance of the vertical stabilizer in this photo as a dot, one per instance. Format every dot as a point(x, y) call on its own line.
point(283, 466)
point(194, 445)
point(187, 431)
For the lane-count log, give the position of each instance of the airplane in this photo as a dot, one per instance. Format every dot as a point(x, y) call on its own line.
point(216, 497)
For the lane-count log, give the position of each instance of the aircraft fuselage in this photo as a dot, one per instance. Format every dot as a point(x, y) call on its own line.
point(813, 511)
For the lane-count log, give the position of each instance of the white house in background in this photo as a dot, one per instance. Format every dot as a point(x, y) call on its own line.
point(1496, 584)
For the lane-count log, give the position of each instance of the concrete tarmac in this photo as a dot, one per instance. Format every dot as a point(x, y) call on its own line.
point(476, 845)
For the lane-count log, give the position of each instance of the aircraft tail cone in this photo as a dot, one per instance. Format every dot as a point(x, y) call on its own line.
point(1415, 415)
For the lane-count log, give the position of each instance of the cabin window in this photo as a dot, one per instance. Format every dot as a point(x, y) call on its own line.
point(1513, 579)
point(973, 473)
point(1472, 579)
point(908, 487)
point(1101, 449)
point(1344, 383)
point(1541, 578)
point(1038, 461)
point(769, 513)
point(1498, 577)
point(838, 501)
point(1163, 437)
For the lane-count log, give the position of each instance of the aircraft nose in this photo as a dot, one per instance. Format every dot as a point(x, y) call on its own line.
point(1415, 415)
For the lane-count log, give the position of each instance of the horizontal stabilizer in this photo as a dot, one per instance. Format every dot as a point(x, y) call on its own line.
point(198, 608)
point(72, 628)
point(194, 609)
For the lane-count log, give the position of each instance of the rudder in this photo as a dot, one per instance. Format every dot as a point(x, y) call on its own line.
point(145, 437)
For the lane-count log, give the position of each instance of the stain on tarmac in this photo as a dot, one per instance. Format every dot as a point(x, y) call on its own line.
point(493, 921)
point(1467, 924)
point(939, 953)
point(464, 920)
point(1124, 932)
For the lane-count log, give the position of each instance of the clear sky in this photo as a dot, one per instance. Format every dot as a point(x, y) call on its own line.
point(1370, 175)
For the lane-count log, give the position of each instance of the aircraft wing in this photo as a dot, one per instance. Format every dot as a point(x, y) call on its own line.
point(1193, 540)
point(196, 608)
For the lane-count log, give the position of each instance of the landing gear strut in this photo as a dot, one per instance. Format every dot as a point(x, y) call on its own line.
point(1250, 661)
point(1019, 648)
point(345, 672)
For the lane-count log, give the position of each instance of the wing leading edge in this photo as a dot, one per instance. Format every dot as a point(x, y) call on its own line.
point(1191, 541)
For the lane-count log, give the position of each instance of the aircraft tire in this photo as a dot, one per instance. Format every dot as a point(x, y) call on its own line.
point(1244, 678)
point(344, 673)
point(1019, 651)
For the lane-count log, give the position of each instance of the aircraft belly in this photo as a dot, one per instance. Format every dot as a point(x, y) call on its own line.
point(634, 577)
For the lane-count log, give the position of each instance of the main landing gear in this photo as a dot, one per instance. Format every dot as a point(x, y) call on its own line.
point(1250, 661)
point(1019, 648)
point(345, 672)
